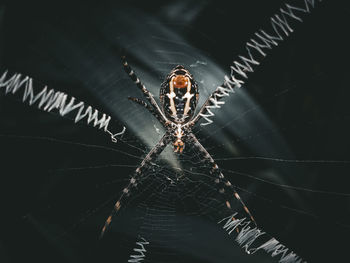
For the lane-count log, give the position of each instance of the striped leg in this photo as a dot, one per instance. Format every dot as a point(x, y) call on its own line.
point(156, 150)
point(144, 90)
point(149, 108)
point(212, 101)
point(220, 177)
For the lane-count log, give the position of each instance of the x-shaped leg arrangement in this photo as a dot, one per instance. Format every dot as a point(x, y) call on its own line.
point(222, 183)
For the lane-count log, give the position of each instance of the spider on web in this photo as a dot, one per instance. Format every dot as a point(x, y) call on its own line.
point(178, 101)
point(178, 98)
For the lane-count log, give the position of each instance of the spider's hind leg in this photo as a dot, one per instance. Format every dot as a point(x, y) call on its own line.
point(156, 150)
point(220, 180)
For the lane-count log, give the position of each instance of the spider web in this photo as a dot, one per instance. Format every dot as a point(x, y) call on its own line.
point(282, 139)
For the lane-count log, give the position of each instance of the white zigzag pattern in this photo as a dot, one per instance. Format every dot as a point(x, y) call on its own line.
point(48, 100)
point(261, 42)
point(248, 237)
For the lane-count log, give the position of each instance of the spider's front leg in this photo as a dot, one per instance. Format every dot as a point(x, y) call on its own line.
point(149, 108)
point(213, 101)
point(220, 177)
point(156, 150)
point(144, 90)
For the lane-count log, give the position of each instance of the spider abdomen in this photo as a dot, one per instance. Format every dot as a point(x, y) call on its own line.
point(179, 95)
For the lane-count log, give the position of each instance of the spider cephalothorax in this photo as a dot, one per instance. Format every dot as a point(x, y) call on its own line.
point(179, 133)
point(179, 95)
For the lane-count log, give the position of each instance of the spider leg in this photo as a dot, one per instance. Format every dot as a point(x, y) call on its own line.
point(212, 101)
point(149, 108)
point(220, 177)
point(156, 150)
point(144, 90)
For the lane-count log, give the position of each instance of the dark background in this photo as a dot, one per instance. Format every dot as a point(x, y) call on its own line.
point(295, 107)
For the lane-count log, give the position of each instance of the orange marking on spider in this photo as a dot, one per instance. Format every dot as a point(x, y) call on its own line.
point(237, 196)
point(117, 205)
point(237, 229)
point(180, 81)
point(178, 146)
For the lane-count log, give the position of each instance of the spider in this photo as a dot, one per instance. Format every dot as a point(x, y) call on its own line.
point(179, 98)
